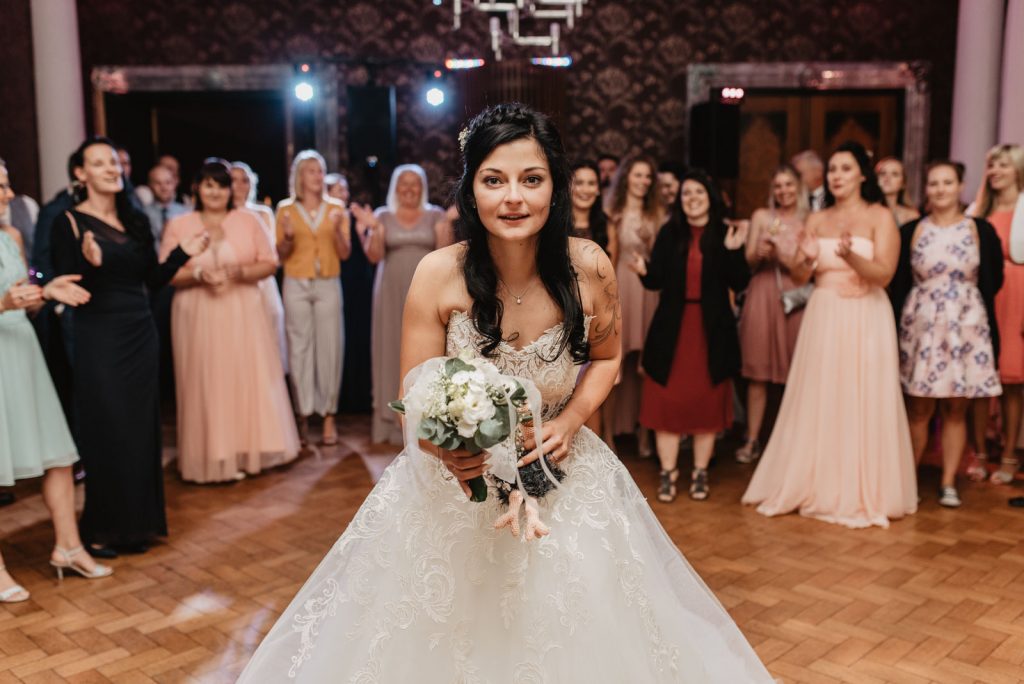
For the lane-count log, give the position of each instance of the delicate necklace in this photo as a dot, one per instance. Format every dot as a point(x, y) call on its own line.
point(518, 298)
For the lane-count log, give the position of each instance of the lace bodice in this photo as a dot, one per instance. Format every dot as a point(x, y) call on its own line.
point(555, 379)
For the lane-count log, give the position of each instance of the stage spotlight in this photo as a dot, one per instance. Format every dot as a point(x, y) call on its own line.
point(435, 96)
point(453, 64)
point(560, 62)
point(732, 95)
point(304, 91)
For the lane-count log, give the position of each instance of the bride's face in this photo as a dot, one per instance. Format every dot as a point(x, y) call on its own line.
point(513, 190)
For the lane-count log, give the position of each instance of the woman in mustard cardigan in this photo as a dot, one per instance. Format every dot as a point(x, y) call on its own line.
point(312, 241)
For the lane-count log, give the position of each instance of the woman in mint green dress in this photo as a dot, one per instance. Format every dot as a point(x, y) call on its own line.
point(34, 437)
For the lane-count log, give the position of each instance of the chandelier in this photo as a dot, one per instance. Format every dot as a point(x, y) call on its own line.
point(516, 11)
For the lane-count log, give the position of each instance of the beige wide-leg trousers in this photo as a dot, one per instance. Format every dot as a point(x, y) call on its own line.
point(316, 342)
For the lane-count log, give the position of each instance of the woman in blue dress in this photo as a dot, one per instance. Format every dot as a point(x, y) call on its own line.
point(34, 437)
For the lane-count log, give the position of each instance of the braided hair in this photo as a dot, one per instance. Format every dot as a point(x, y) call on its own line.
point(495, 126)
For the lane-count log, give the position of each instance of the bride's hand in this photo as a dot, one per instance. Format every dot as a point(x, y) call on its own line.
point(462, 464)
point(556, 438)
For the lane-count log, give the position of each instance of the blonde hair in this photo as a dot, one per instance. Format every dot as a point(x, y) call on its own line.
point(294, 183)
point(1015, 155)
point(803, 204)
point(901, 195)
point(392, 199)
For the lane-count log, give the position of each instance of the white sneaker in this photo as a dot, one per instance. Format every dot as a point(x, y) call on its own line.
point(949, 497)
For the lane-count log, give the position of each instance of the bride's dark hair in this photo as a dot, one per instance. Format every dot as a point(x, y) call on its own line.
point(496, 126)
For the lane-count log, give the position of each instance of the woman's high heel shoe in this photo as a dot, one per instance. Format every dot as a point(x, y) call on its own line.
point(749, 452)
point(1007, 471)
point(13, 594)
point(67, 562)
point(667, 487)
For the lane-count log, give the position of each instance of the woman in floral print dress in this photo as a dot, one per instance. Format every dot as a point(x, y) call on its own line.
point(948, 339)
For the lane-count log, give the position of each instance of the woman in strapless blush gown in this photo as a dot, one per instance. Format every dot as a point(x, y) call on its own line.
point(841, 449)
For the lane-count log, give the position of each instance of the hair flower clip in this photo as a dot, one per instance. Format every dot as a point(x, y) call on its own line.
point(463, 136)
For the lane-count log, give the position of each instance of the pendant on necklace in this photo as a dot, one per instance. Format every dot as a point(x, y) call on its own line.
point(519, 300)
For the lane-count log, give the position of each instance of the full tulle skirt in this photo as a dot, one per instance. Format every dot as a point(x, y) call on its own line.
point(840, 450)
point(421, 588)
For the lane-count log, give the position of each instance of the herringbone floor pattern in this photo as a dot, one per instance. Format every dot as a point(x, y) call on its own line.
point(937, 598)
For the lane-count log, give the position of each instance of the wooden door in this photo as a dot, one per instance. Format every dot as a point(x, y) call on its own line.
point(776, 125)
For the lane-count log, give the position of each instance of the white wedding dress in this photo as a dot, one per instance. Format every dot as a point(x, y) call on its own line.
point(421, 588)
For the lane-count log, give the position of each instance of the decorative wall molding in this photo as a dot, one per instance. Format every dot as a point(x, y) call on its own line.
point(910, 77)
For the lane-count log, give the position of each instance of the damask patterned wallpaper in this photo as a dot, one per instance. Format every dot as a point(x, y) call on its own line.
point(626, 91)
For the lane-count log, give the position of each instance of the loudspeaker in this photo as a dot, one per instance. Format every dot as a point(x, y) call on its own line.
point(715, 138)
point(372, 128)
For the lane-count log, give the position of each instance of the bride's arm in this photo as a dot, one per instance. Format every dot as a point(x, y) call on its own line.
point(598, 286)
point(423, 337)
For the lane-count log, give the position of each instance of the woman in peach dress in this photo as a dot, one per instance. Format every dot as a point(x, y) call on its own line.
point(841, 450)
point(234, 416)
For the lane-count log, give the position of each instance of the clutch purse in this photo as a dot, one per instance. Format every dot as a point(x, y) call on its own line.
point(795, 298)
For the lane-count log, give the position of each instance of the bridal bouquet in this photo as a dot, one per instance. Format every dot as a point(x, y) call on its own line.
point(465, 402)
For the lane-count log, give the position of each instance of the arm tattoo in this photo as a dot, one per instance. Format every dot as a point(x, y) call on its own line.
point(607, 322)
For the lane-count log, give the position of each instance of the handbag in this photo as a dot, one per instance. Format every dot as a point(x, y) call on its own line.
point(795, 298)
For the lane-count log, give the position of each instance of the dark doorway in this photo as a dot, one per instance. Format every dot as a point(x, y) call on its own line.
point(249, 126)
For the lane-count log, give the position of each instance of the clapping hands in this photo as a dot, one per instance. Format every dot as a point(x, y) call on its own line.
point(845, 247)
point(64, 289)
point(91, 249)
point(637, 264)
point(364, 217)
point(21, 295)
point(196, 244)
point(736, 236)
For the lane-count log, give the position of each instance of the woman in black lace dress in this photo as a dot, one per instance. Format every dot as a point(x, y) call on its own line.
point(116, 354)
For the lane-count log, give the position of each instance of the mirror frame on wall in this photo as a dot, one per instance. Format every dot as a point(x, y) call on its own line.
point(225, 78)
point(910, 77)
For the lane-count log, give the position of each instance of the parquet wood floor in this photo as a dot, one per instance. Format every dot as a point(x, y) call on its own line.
point(939, 597)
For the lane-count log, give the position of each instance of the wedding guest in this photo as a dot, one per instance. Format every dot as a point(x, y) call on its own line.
point(396, 236)
point(811, 169)
point(607, 164)
point(892, 179)
point(312, 240)
point(1000, 201)
point(635, 214)
point(768, 331)
point(141, 195)
point(55, 330)
point(21, 214)
point(116, 371)
point(692, 349)
point(244, 184)
point(950, 268)
point(337, 187)
point(841, 451)
point(163, 206)
point(589, 222)
point(670, 175)
point(234, 417)
point(35, 437)
point(588, 217)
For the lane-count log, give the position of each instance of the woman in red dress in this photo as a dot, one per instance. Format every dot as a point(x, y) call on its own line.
point(692, 349)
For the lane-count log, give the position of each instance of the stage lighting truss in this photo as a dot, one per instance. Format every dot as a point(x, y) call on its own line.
point(517, 11)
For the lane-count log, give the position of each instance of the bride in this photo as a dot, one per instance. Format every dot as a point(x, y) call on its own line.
point(421, 587)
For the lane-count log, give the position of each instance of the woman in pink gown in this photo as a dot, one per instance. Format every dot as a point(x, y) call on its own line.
point(841, 450)
point(234, 416)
